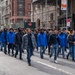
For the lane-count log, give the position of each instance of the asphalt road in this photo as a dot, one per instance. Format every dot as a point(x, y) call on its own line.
point(12, 66)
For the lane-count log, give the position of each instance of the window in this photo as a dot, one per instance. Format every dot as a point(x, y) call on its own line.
point(21, 7)
point(29, 6)
point(29, 13)
point(51, 16)
point(19, 20)
point(20, 13)
point(6, 2)
point(6, 10)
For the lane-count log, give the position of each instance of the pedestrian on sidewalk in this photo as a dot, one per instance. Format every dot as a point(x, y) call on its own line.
point(62, 42)
point(11, 40)
point(18, 43)
point(48, 37)
point(29, 44)
point(42, 42)
point(4, 39)
point(71, 41)
point(54, 44)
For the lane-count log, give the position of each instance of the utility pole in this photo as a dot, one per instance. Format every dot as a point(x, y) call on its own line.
point(56, 17)
point(66, 13)
point(71, 14)
point(46, 12)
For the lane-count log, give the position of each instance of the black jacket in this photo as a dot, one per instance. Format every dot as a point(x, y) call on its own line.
point(53, 39)
point(71, 40)
point(18, 38)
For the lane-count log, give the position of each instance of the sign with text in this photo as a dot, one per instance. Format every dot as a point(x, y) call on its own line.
point(63, 4)
point(68, 22)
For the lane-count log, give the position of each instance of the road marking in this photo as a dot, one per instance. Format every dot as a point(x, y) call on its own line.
point(55, 68)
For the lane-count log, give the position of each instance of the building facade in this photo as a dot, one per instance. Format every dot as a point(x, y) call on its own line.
point(20, 11)
point(44, 15)
point(15, 12)
point(5, 12)
point(51, 16)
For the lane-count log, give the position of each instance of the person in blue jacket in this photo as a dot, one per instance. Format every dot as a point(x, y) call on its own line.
point(62, 42)
point(4, 39)
point(42, 42)
point(0, 40)
point(10, 40)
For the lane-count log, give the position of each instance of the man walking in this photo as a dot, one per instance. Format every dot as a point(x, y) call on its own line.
point(54, 45)
point(42, 42)
point(10, 40)
point(29, 43)
point(4, 39)
point(18, 43)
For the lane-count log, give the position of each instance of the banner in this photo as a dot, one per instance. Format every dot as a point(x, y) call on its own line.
point(68, 22)
point(63, 4)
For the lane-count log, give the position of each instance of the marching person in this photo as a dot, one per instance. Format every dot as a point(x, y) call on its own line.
point(62, 42)
point(10, 40)
point(29, 44)
point(42, 42)
point(18, 43)
point(4, 39)
point(71, 41)
point(54, 44)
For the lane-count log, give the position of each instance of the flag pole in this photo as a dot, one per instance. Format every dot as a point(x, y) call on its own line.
point(66, 13)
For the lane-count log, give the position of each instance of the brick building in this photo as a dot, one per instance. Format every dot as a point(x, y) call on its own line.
point(20, 11)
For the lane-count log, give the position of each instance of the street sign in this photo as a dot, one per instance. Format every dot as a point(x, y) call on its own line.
point(63, 4)
point(68, 22)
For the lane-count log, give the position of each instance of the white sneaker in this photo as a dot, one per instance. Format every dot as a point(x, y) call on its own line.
point(55, 61)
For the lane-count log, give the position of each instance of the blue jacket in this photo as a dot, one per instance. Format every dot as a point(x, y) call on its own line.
point(42, 39)
point(62, 40)
point(11, 37)
point(4, 37)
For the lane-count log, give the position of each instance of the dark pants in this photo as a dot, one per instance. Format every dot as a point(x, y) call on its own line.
point(42, 51)
point(54, 50)
point(63, 51)
point(5, 51)
point(29, 54)
point(11, 46)
point(19, 49)
point(71, 52)
point(48, 49)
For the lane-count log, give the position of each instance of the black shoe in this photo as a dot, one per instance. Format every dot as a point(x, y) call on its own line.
point(73, 60)
point(5, 53)
point(15, 56)
point(29, 64)
point(67, 57)
point(21, 58)
point(50, 56)
point(41, 57)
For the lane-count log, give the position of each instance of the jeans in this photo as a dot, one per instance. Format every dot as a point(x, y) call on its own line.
point(29, 54)
point(72, 51)
point(63, 50)
point(54, 49)
point(5, 51)
point(11, 46)
point(19, 49)
point(42, 51)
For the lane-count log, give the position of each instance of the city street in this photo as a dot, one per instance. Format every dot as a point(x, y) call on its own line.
point(12, 66)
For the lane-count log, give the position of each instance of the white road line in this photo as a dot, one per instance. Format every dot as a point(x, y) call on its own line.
point(55, 68)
